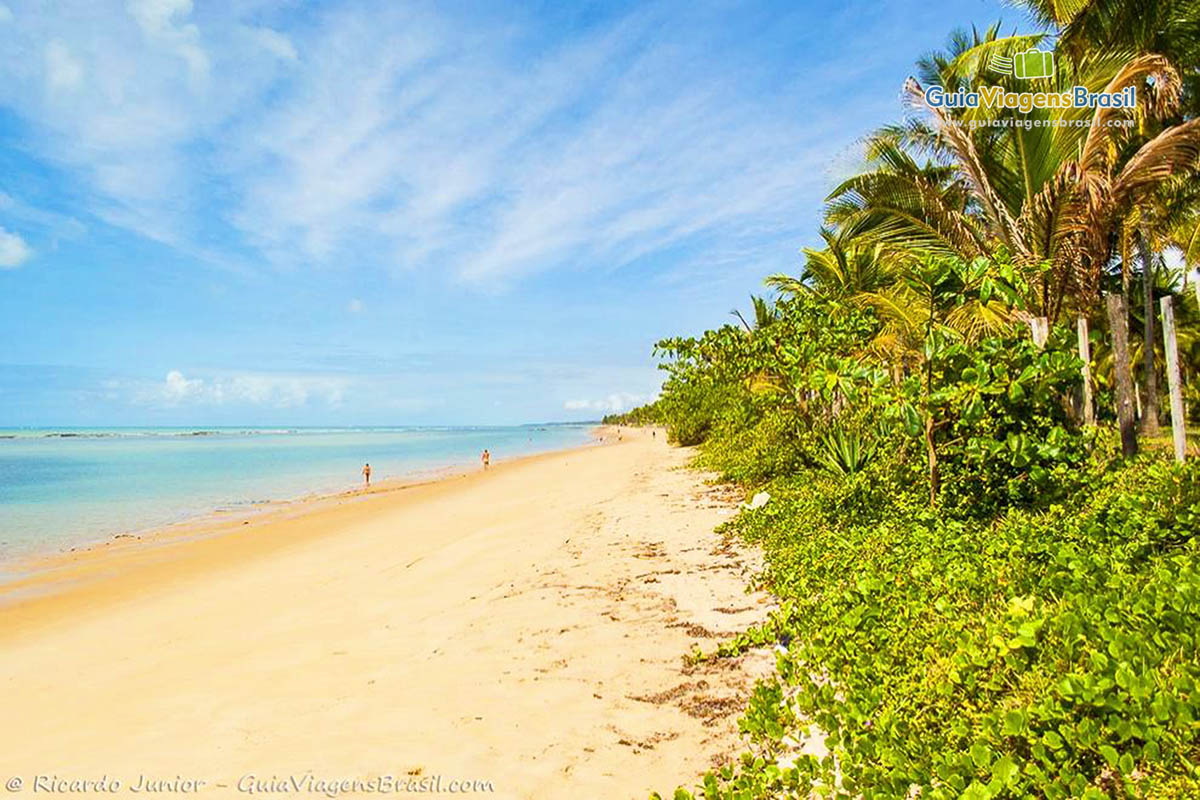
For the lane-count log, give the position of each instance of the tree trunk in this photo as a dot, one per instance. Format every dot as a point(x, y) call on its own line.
point(1126, 266)
point(1088, 411)
point(1149, 378)
point(1118, 322)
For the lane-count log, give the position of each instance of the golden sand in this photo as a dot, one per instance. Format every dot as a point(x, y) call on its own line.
point(522, 627)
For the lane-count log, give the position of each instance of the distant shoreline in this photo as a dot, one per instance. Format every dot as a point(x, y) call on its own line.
point(104, 431)
point(18, 568)
point(187, 510)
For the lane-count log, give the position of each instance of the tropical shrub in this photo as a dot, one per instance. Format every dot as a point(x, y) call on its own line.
point(775, 445)
point(1010, 438)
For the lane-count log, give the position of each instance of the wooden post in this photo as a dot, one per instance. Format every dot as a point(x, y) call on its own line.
point(1118, 320)
point(1178, 421)
point(1039, 327)
point(1085, 355)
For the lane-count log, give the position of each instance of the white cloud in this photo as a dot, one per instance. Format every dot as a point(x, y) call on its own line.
point(129, 146)
point(63, 70)
point(177, 388)
point(256, 389)
point(13, 250)
point(6, 14)
point(163, 21)
point(613, 403)
point(400, 136)
point(274, 43)
point(355, 306)
point(443, 156)
point(61, 225)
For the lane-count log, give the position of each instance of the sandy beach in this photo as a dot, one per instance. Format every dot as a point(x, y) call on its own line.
point(523, 628)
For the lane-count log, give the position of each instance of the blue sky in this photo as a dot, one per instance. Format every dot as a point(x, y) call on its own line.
point(256, 212)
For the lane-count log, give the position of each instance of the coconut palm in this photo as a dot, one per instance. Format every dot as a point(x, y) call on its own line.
point(1051, 193)
point(764, 314)
point(1169, 27)
point(908, 205)
point(846, 267)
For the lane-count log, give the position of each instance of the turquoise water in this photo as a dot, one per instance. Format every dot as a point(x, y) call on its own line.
point(65, 487)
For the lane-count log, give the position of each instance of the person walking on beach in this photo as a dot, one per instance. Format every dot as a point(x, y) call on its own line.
point(366, 471)
point(486, 458)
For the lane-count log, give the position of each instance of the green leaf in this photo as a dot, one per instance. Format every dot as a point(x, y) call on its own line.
point(977, 791)
point(981, 754)
point(1006, 771)
point(1014, 723)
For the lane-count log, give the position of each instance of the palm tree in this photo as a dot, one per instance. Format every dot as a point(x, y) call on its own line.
point(1169, 282)
point(1185, 235)
point(1169, 27)
point(764, 314)
point(1159, 221)
point(846, 267)
point(1053, 195)
point(907, 205)
point(1149, 373)
point(1054, 188)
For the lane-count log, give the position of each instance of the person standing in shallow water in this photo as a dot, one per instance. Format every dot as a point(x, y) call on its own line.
point(366, 471)
point(486, 458)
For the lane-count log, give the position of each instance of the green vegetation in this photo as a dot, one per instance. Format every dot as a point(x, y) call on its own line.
point(1044, 653)
point(980, 596)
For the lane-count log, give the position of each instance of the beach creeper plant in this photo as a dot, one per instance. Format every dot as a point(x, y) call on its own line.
point(1049, 653)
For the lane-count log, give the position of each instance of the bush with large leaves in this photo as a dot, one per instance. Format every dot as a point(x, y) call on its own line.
point(1010, 438)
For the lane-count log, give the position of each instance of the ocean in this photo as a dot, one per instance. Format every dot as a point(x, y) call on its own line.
point(65, 487)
